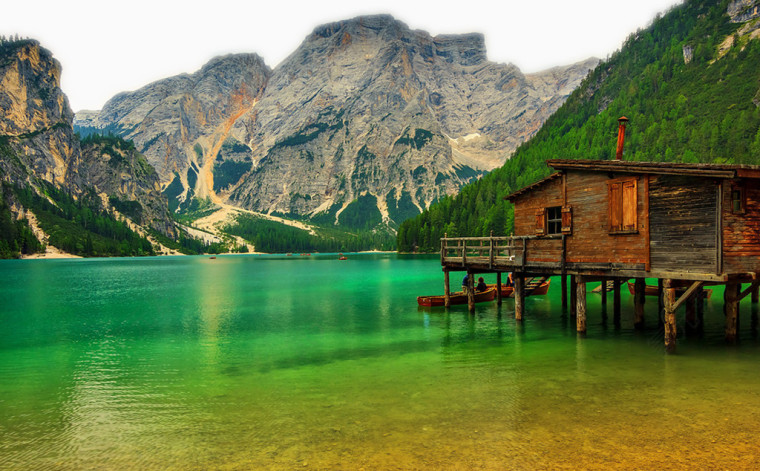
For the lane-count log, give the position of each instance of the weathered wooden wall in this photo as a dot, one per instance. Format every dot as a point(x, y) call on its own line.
point(592, 241)
point(683, 222)
point(741, 232)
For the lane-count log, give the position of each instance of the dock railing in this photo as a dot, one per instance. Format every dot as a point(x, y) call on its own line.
point(496, 251)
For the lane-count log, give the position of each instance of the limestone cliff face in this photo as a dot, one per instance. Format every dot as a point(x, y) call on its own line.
point(126, 182)
point(38, 142)
point(36, 121)
point(364, 108)
point(181, 123)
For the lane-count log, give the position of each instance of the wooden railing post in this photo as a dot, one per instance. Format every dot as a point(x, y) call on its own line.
point(490, 251)
point(443, 246)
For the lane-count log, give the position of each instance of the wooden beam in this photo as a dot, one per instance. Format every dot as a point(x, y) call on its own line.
point(688, 293)
point(564, 291)
point(616, 301)
point(498, 288)
point(446, 289)
point(750, 290)
point(645, 230)
point(580, 316)
point(519, 294)
point(732, 312)
point(470, 291)
point(670, 317)
point(604, 292)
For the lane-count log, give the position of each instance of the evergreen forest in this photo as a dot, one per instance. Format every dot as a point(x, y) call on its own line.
point(690, 85)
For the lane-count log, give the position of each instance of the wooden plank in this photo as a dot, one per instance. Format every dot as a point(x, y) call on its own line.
point(446, 289)
point(645, 232)
point(688, 294)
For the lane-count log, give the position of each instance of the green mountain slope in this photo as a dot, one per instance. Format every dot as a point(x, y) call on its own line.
point(690, 84)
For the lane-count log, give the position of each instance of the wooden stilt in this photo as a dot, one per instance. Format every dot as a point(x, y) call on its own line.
point(755, 295)
point(564, 291)
point(446, 289)
point(660, 303)
point(700, 302)
point(616, 302)
point(573, 295)
point(470, 291)
point(604, 292)
point(670, 317)
point(498, 288)
point(519, 282)
point(731, 304)
point(638, 303)
point(580, 319)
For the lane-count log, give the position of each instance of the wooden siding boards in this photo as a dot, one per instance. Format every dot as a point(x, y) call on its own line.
point(683, 233)
point(741, 231)
point(592, 241)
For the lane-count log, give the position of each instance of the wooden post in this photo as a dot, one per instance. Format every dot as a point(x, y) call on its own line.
point(498, 288)
point(670, 317)
point(660, 303)
point(573, 295)
point(446, 289)
point(616, 302)
point(519, 282)
point(755, 295)
point(638, 303)
point(604, 292)
point(470, 291)
point(564, 291)
point(580, 319)
point(731, 304)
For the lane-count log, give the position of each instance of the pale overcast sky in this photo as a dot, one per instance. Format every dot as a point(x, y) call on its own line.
point(106, 47)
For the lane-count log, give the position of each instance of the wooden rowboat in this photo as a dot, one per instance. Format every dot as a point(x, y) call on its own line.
point(456, 298)
point(509, 291)
point(651, 290)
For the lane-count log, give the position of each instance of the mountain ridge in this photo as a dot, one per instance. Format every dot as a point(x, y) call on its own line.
point(426, 115)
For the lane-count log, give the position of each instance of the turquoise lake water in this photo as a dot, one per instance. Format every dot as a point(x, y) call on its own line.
point(275, 362)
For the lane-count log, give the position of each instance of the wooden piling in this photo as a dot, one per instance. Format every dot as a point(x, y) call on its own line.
point(755, 295)
point(564, 291)
point(660, 303)
point(616, 302)
point(519, 282)
point(470, 291)
point(604, 292)
point(731, 306)
point(669, 298)
point(580, 310)
point(638, 303)
point(498, 288)
point(573, 295)
point(446, 289)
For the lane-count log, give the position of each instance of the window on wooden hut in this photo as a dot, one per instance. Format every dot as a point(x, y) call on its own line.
point(554, 220)
point(622, 195)
point(737, 200)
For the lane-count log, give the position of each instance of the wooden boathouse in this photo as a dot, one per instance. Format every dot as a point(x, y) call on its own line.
point(687, 225)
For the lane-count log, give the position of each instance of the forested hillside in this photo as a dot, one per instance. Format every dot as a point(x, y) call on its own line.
point(689, 84)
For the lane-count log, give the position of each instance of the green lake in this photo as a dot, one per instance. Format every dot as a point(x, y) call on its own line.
point(276, 362)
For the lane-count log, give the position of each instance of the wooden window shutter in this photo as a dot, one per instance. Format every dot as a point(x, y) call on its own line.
point(629, 205)
point(541, 221)
point(567, 220)
point(615, 213)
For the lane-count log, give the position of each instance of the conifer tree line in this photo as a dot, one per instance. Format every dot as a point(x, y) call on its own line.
point(702, 110)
